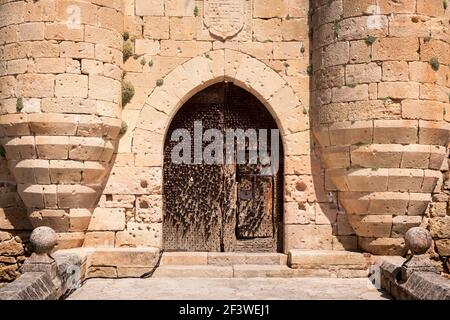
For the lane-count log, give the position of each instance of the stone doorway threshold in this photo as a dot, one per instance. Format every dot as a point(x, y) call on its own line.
point(135, 262)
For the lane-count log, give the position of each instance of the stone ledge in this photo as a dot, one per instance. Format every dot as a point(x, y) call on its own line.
point(31, 286)
point(419, 286)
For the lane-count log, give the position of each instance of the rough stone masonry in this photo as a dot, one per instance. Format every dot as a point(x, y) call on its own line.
point(359, 89)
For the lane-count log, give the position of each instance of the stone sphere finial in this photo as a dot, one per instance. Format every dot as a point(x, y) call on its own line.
point(418, 240)
point(43, 240)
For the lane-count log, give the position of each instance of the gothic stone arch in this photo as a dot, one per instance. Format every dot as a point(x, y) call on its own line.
point(200, 72)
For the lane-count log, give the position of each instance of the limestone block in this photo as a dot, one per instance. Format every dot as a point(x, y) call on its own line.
point(156, 28)
point(53, 124)
point(20, 148)
point(110, 18)
point(88, 11)
point(362, 73)
point(32, 195)
point(105, 37)
point(137, 235)
point(409, 26)
point(401, 224)
point(297, 143)
point(376, 155)
point(443, 247)
point(299, 213)
point(287, 50)
point(61, 31)
point(423, 109)
point(395, 49)
point(77, 50)
point(372, 225)
point(396, 71)
point(84, 148)
point(149, 209)
point(267, 30)
point(185, 48)
point(270, 8)
point(344, 229)
point(255, 76)
point(94, 172)
point(336, 157)
point(108, 55)
point(35, 85)
point(382, 246)
point(180, 8)
point(284, 101)
point(430, 180)
point(415, 156)
point(396, 131)
point(431, 91)
point(101, 272)
point(335, 54)
point(437, 157)
point(107, 219)
point(398, 90)
point(345, 133)
point(308, 237)
point(184, 258)
point(65, 172)
point(418, 203)
point(150, 47)
point(294, 29)
point(368, 179)
point(52, 147)
point(385, 203)
point(72, 196)
point(402, 180)
point(58, 220)
point(433, 133)
point(99, 239)
point(137, 180)
point(104, 88)
point(359, 52)
point(440, 227)
point(68, 105)
point(149, 7)
point(298, 165)
point(79, 219)
point(69, 240)
point(48, 65)
point(183, 28)
point(434, 48)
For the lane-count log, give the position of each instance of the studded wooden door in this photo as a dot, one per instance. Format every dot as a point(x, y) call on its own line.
point(224, 207)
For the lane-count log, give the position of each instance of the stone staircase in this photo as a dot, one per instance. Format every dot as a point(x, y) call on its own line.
point(298, 263)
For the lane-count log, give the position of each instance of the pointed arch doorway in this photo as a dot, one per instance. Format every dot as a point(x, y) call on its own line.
point(221, 207)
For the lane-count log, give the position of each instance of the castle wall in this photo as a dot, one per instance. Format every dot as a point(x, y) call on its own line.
point(380, 102)
point(375, 94)
point(60, 105)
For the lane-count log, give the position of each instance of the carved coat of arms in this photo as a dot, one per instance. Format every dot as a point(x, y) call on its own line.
point(224, 18)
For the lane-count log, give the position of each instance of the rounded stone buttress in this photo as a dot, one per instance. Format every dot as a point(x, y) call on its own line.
point(380, 110)
point(60, 105)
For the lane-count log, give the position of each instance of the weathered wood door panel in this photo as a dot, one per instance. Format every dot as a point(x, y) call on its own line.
point(221, 207)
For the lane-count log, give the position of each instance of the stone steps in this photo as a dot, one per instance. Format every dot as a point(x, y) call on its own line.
point(231, 271)
point(299, 263)
point(222, 258)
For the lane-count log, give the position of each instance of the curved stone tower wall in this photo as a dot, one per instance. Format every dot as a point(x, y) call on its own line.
point(60, 103)
point(380, 103)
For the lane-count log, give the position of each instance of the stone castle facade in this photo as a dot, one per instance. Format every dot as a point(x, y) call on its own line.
point(359, 90)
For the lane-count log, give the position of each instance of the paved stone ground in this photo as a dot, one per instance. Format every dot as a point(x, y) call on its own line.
point(227, 289)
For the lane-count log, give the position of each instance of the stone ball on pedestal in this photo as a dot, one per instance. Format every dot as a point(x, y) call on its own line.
point(418, 240)
point(43, 240)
